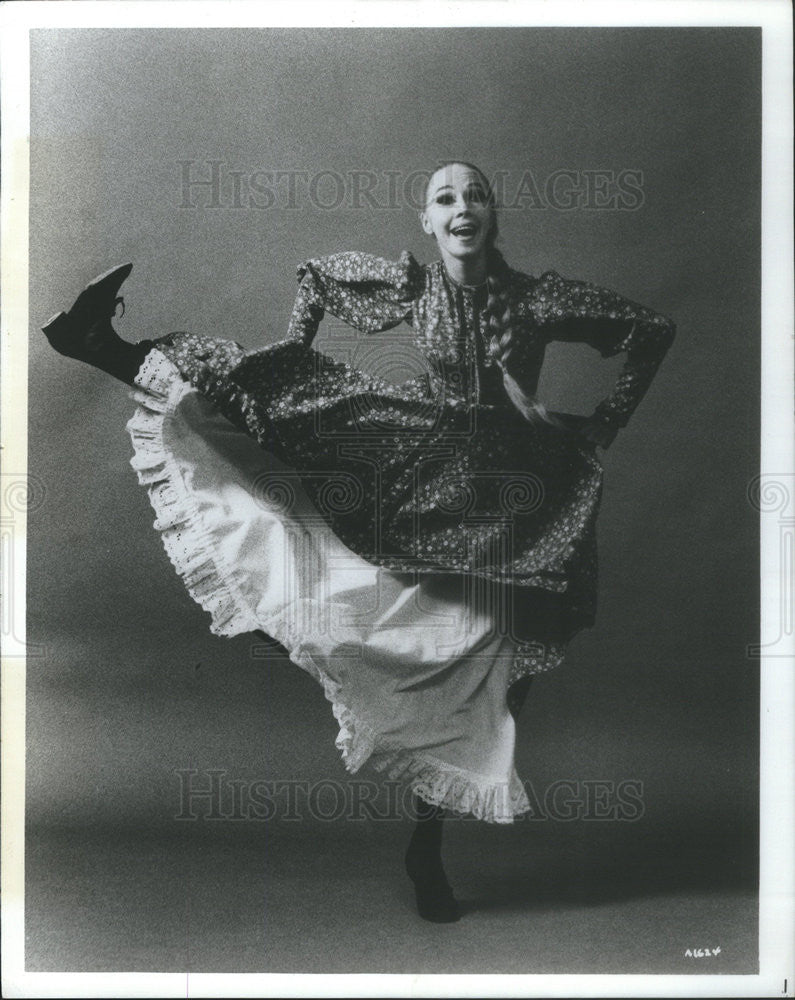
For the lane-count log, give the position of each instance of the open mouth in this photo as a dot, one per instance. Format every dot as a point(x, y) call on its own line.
point(465, 230)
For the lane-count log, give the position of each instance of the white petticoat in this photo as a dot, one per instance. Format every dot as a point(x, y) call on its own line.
point(417, 675)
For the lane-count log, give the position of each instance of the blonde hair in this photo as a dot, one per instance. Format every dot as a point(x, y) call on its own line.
point(499, 313)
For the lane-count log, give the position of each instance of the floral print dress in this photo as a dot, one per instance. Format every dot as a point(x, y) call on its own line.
point(417, 547)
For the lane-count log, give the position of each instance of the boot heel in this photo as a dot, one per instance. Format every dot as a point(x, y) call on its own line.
point(58, 322)
point(58, 331)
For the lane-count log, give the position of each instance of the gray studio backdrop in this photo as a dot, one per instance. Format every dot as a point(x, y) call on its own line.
point(129, 685)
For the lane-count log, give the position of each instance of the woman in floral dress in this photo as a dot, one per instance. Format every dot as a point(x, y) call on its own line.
point(421, 549)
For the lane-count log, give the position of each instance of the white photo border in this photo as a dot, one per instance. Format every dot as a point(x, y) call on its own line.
point(777, 925)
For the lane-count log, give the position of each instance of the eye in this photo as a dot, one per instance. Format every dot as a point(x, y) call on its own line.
point(476, 194)
point(444, 199)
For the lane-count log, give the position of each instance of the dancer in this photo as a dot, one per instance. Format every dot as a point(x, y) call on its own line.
point(422, 549)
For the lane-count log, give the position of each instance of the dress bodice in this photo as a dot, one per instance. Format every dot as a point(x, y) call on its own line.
point(449, 323)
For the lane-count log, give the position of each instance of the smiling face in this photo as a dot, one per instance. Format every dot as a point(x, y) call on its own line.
point(459, 213)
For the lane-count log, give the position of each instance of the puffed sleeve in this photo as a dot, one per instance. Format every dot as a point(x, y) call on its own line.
point(581, 312)
point(365, 291)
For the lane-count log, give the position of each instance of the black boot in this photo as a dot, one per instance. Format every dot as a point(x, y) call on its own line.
point(85, 333)
point(435, 899)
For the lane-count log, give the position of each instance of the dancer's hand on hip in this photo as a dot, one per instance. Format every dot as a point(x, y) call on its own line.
point(598, 432)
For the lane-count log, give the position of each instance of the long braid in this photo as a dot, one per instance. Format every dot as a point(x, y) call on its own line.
point(502, 337)
point(498, 305)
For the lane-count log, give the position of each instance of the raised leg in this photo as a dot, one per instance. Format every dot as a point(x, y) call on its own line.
point(85, 333)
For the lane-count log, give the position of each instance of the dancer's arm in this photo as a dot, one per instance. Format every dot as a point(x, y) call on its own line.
point(369, 293)
point(308, 310)
point(581, 312)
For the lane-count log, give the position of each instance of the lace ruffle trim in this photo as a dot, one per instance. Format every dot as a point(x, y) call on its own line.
point(434, 780)
point(191, 551)
point(188, 545)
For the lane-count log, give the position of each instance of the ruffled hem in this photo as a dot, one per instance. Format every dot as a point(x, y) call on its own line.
point(188, 545)
point(436, 781)
point(458, 790)
point(210, 582)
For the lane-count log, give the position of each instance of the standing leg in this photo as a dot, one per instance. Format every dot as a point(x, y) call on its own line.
point(435, 900)
point(517, 693)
